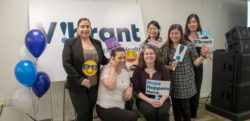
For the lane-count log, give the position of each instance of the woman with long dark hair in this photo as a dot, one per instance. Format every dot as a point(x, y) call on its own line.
point(153, 31)
point(193, 26)
point(182, 74)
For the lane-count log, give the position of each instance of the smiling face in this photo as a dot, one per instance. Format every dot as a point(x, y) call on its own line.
point(89, 68)
point(149, 56)
point(131, 56)
point(193, 25)
point(120, 59)
point(153, 31)
point(175, 35)
point(84, 29)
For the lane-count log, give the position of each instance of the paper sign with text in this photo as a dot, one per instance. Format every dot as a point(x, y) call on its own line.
point(180, 52)
point(157, 87)
point(207, 42)
point(155, 43)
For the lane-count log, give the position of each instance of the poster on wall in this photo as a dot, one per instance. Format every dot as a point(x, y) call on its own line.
point(58, 19)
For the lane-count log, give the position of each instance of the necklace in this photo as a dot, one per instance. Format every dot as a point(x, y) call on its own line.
point(120, 77)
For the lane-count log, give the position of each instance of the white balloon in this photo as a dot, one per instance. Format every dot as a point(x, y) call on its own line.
point(22, 100)
point(26, 55)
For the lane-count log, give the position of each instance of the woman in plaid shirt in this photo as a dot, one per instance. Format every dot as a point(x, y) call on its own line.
point(182, 73)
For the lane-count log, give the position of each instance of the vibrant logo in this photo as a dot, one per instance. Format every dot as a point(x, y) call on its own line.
point(131, 56)
point(89, 68)
point(71, 29)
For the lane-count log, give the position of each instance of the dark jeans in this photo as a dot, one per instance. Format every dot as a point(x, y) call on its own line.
point(194, 101)
point(115, 114)
point(181, 109)
point(154, 114)
point(84, 102)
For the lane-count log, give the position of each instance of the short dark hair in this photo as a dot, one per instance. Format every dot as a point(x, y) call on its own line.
point(114, 52)
point(158, 59)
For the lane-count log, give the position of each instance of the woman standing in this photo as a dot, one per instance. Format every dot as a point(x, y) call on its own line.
point(153, 30)
point(82, 57)
point(151, 67)
point(115, 90)
point(192, 27)
point(182, 74)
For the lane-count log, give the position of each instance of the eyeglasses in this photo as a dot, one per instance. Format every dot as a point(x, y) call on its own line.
point(86, 67)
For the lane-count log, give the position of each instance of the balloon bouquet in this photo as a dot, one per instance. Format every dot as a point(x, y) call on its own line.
point(26, 72)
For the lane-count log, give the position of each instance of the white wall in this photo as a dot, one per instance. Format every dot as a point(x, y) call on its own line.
point(218, 16)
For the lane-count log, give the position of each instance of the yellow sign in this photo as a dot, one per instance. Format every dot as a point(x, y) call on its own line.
point(89, 68)
point(131, 56)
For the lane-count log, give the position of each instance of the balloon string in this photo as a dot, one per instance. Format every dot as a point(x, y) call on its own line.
point(37, 103)
point(33, 105)
point(31, 117)
point(36, 61)
point(51, 108)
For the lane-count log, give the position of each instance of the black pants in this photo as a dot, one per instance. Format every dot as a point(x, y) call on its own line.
point(84, 102)
point(154, 114)
point(194, 101)
point(181, 109)
point(115, 114)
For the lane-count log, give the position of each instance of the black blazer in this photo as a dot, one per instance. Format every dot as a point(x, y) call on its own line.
point(73, 60)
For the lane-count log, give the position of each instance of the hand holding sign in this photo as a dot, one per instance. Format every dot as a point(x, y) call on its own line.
point(205, 51)
point(174, 65)
point(180, 53)
point(157, 103)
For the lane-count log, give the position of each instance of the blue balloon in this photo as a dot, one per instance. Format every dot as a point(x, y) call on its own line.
point(42, 84)
point(35, 41)
point(26, 73)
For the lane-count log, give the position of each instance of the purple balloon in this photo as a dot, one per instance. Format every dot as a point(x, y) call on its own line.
point(42, 84)
point(35, 41)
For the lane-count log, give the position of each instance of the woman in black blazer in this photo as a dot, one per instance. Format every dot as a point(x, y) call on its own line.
point(82, 57)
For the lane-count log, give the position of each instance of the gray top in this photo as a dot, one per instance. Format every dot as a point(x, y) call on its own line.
point(183, 78)
point(89, 66)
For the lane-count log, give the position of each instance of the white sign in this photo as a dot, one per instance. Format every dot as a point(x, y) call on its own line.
point(155, 87)
point(180, 52)
point(155, 43)
point(59, 20)
point(207, 42)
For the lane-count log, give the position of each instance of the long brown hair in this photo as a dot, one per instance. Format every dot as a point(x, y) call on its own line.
point(158, 60)
point(187, 31)
point(169, 41)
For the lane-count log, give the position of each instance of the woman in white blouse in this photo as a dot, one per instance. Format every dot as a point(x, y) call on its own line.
point(114, 90)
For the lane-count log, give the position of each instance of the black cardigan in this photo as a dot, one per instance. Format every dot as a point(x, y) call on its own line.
point(73, 59)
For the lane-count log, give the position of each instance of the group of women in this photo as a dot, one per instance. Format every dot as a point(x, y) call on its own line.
point(110, 87)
